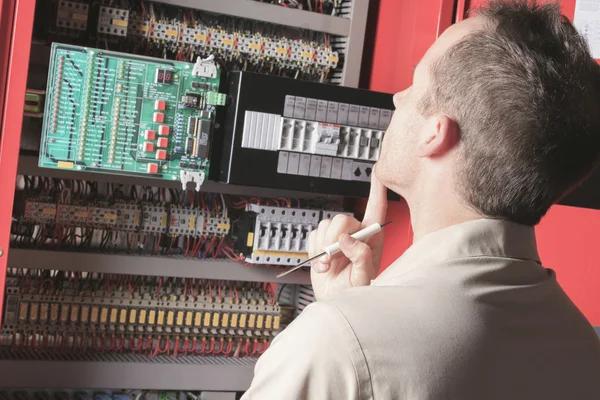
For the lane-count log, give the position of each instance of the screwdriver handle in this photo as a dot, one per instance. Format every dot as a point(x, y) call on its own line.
point(361, 235)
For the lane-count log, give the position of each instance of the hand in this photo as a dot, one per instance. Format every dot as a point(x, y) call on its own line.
point(358, 262)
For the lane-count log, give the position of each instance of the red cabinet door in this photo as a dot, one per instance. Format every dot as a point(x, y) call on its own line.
point(16, 25)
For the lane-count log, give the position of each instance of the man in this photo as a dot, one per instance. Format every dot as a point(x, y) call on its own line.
point(502, 119)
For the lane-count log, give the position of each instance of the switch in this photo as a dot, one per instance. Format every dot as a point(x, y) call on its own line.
point(158, 117)
point(160, 105)
point(161, 154)
point(150, 134)
point(148, 146)
point(153, 168)
point(163, 142)
point(163, 130)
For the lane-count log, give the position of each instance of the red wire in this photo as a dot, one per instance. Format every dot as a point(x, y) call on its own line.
point(203, 344)
point(187, 247)
point(264, 347)
point(229, 348)
point(94, 343)
point(219, 247)
point(148, 345)
point(158, 288)
point(111, 345)
point(186, 345)
point(121, 345)
point(194, 343)
point(132, 345)
point(74, 344)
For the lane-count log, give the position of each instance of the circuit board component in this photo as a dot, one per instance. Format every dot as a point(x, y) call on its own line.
point(124, 114)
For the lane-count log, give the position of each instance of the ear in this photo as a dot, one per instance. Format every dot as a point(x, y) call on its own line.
point(441, 135)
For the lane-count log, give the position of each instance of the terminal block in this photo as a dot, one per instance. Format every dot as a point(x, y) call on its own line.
point(113, 21)
point(279, 235)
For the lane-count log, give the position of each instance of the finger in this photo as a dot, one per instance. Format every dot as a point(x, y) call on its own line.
point(377, 204)
point(312, 251)
point(339, 225)
point(312, 244)
point(359, 254)
point(321, 232)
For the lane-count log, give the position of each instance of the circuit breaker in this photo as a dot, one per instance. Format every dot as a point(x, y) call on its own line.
point(302, 136)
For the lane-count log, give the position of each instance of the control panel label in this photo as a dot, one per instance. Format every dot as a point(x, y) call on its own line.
point(332, 112)
point(288, 108)
point(311, 109)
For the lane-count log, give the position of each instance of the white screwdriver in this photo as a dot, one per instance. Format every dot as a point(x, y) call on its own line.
point(333, 249)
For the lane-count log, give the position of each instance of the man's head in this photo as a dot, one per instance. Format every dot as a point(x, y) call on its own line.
point(506, 105)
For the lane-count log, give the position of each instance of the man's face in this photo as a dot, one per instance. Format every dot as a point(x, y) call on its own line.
point(399, 166)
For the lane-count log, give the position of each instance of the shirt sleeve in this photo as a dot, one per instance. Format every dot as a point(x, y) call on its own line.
point(307, 360)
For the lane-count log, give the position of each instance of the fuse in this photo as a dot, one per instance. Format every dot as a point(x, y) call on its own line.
point(33, 312)
point(234, 320)
point(215, 319)
point(44, 312)
point(85, 312)
point(251, 320)
point(170, 317)
point(132, 315)
point(161, 317)
point(206, 319)
point(225, 320)
point(151, 317)
point(75, 313)
point(103, 315)
point(23, 309)
point(243, 321)
point(276, 322)
point(113, 315)
point(268, 321)
point(189, 316)
point(94, 317)
point(259, 321)
point(53, 312)
point(198, 319)
point(142, 319)
point(180, 318)
point(64, 313)
point(123, 316)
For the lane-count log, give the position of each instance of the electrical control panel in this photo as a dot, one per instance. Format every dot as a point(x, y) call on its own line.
point(124, 114)
point(302, 136)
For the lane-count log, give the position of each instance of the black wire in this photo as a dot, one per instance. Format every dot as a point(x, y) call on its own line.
point(281, 291)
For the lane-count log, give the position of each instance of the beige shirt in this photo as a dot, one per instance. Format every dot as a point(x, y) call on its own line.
point(466, 313)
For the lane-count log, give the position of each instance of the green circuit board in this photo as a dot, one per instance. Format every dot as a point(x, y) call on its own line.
point(130, 115)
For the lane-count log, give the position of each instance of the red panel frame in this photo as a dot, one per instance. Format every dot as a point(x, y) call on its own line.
point(16, 26)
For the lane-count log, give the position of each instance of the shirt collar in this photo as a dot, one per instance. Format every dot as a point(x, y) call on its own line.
point(479, 238)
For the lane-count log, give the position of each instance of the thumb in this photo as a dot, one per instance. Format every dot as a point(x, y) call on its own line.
point(359, 254)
